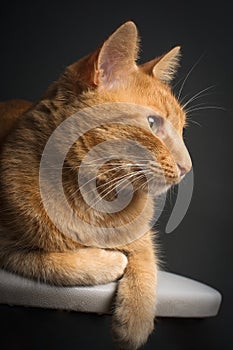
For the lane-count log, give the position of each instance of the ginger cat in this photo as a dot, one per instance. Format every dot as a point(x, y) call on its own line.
point(34, 246)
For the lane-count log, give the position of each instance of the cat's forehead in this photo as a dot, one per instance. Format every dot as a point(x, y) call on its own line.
point(158, 97)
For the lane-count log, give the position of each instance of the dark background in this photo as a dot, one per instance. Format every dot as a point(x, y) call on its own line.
point(37, 40)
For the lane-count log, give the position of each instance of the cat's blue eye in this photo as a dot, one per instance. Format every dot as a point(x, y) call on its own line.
point(154, 123)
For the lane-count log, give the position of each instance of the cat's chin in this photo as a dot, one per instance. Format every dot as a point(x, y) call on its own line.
point(162, 190)
point(157, 190)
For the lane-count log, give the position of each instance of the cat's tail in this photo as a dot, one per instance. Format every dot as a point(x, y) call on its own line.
point(86, 266)
point(133, 317)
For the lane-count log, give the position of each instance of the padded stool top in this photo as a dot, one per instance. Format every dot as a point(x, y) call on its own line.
point(178, 296)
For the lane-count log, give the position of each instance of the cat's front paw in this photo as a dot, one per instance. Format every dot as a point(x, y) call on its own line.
point(133, 318)
point(132, 333)
point(117, 264)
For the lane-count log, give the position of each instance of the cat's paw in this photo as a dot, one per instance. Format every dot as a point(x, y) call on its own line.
point(102, 266)
point(133, 318)
point(117, 263)
point(133, 332)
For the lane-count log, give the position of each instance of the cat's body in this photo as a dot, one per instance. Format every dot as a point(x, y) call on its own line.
point(30, 243)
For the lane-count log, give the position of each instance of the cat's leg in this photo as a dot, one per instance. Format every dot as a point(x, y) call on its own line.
point(86, 266)
point(133, 318)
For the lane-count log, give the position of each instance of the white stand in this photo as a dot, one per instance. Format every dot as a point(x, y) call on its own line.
point(177, 296)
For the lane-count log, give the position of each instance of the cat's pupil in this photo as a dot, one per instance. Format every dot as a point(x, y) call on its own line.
point(154, 123)
point(151, 121)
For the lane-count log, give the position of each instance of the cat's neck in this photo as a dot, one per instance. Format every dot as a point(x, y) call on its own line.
point(124, 226)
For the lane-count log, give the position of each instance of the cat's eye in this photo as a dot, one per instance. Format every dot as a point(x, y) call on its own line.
point(154, 122)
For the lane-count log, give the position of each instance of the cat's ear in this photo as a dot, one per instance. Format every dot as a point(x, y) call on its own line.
point(164, 67)
point(117, 55)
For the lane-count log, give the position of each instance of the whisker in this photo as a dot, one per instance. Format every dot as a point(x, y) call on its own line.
point(112, 164)
point(110, 181)
point(136, 179)
point(118, 184)
point(105, 172)
point(188, 74)
point(112, 157)
point(206, 107)
point(193, 122)
point(148, 180)
point(197, 95)
point(117, 168)
point(108, 191)
point(197, 105)
point(85, 184)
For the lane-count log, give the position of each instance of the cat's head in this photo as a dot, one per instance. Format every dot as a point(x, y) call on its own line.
point(149, 112)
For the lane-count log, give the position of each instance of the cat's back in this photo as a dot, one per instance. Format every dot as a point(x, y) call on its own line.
point(10, 111)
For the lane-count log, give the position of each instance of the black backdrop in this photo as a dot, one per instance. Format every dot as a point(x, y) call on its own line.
point(39, 39)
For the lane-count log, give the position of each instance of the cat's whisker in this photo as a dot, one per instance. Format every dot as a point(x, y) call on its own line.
point(206, 107)
point(112, 188)
point(112, 164)
point(79, 189)
point(193, 122)
point(117, 168)
point(119, 178)
point(188, 74)
point(122, 176)
point(100, 159)
point(197, 105)
point(87, 165)
point(110, 181)
point(102, 173)
point(90, 166)
point(196, 98)
point(140, 165)
point(136, 179)
point(197, 95)
point(113, 158)
point(148, 180)
point(127, 177)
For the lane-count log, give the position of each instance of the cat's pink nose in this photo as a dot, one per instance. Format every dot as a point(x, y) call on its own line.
point(183, 169)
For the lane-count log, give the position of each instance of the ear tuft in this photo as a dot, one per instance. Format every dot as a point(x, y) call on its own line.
point(166, 66)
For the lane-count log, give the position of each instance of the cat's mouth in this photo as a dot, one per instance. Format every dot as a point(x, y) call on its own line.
point(148, 177)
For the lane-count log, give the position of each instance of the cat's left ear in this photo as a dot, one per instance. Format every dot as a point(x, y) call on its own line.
point(117, 56)
point(164, 67)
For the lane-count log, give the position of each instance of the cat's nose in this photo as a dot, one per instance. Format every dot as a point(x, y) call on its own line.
point(183, 169)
